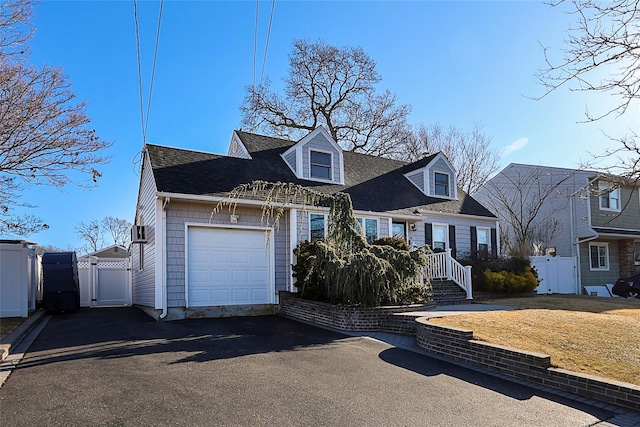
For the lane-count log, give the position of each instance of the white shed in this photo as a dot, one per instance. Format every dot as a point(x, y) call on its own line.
point(19, 278)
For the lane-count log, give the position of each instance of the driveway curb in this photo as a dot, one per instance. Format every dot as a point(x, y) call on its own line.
point(11, 341)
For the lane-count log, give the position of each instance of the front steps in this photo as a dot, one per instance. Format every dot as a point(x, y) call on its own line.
point(446, 292)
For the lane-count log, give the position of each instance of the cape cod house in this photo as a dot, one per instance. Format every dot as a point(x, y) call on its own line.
point(188, 262)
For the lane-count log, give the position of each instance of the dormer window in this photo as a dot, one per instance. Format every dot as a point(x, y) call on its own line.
point(316, 157)
point(441, 182)
point(320, 165)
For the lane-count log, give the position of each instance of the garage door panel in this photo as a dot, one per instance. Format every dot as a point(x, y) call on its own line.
point(259, 294)
point(221, 295)
point(241, 296)
point(220, 276)
point(199, 296)
point(228, 266)
point(220, 255)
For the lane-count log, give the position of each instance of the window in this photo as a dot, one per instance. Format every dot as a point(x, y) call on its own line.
point(320, 165)
point(439, 237)
point(610, 199)
point(636, 253)
point(599, 256)
point(441, 184)
point(484, 239)
point(398, 229)
point(370, 228)
point(317, 226)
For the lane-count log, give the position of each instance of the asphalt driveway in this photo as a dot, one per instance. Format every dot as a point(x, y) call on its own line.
point(120, 367)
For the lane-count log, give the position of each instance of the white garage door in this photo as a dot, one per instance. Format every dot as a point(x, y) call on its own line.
point(228, 267)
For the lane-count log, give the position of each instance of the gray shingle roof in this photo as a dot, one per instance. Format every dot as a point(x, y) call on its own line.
point(374, 183)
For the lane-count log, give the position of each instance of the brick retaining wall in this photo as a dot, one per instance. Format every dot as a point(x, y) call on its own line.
point(346, 318)
point(459, 344)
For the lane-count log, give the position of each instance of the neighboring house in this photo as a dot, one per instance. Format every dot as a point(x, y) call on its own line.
point(113, 251)
point(188, 262)
point(105, 277)
point(598, 218)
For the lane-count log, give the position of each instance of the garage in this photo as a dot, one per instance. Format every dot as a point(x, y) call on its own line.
point(228, 266)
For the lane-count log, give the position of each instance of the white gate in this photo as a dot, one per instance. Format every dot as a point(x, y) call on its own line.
point(558, 274)
point(104, 282)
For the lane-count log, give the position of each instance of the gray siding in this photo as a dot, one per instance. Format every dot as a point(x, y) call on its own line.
point(143, 281)
point(179, 213)
point(441, 166)
point(463, 230)
point(320, 143)
point(570, 194)
point(627, 218)
point(594, 278)
point(418, 179)
point(236, 149)
point(291, 159)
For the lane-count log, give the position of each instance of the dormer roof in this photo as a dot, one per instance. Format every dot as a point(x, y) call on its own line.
point(375, 184)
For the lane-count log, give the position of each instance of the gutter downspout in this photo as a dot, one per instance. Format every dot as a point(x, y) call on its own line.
point(164, 259)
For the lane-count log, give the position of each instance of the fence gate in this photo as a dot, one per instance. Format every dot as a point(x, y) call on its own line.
point(104, 282)
point(558, 274)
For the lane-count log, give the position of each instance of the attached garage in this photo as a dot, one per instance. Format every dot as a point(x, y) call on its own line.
point(229, 266)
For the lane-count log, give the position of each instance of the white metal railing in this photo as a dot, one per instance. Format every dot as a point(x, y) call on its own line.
point(442, 266)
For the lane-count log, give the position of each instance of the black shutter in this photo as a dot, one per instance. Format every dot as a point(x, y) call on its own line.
point(474, 240)
point(428, 234)
point(494, 242)
point(452, 240)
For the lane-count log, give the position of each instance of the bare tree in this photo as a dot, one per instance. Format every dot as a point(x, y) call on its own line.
point(44, 133)
point(470, 152)
point(527, 200)
point(333, 87)
point(602, 55)
point(91, 233)
point(99, 233)
point(118, 229)
point(40, 249)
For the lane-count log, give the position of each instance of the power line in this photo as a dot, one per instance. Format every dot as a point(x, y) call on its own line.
point(255, 43)
point(153, 68)
point(135, 18)
point(266, 47)
point(144, 121)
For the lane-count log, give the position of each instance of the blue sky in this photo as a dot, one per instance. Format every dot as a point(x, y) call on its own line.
point(455, 62)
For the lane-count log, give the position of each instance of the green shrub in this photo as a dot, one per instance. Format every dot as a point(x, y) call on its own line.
point(378, 276)
point(509, 282)
point(480, 264)
point(415, 293)
point(395, 242)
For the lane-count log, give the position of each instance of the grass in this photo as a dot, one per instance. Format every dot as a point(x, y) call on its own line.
point(9, 324)
point(597, 336)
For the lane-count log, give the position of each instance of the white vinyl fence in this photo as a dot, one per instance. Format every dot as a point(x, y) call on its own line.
point(104, 282)
point(559, 274)
point(19, 279)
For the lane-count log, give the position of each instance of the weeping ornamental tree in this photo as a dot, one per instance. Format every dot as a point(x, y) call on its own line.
point(350, 270)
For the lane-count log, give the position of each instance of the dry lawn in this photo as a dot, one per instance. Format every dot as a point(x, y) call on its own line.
point(8, 324)
point(597, 336)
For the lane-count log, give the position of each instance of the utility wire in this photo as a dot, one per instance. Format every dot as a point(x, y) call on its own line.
point(144, 121)
point(266, 47)
point(135, 18)
point(153, 68)
point(255, 43)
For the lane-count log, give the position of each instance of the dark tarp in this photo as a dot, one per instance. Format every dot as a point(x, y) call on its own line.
point(60, 286)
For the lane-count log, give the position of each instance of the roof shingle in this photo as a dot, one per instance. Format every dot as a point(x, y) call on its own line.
point(374, 183)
